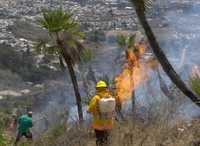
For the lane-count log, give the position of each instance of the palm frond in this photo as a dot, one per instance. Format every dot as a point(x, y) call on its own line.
point(52, 50)
point(126, 42)
point(60, 21)
point(130, 41)
point(43, 47)
point(121, 41)
point(61, 26)
point(78, 34)
point(74, 51)
point(86, 55)
point(56, 20)
point(73, 28)
point(39, 45)
point(71, 43)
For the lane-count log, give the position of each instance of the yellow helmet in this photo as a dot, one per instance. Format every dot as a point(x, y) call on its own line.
point(101, 84)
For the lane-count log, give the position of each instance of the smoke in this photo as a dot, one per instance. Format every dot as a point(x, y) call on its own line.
point(178, 35)
point(179, 38)
point(183, 33)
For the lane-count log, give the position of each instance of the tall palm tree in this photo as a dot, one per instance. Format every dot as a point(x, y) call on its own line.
point(140, 8)
point(64, 43)
point(127, 44)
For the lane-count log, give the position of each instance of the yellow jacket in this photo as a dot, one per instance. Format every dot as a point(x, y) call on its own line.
point(99, 123)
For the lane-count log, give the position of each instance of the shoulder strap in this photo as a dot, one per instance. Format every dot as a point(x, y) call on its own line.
point(99, 95)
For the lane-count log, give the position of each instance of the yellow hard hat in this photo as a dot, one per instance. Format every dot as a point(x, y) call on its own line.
point(101, 84)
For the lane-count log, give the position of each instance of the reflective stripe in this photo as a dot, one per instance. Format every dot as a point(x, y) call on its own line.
point(102, 127)
point(99, 123)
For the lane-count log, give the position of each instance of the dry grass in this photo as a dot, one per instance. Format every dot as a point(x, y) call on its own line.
point(65, 136)
point(133, 132)
point(164, 134)
point(159, 127)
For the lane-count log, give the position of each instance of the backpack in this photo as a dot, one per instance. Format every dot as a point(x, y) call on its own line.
point(107, 107)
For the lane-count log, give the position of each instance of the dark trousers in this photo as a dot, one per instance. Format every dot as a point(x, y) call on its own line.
point(102, 137)
point(28, 135)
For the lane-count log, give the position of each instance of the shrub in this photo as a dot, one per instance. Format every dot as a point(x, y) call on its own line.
point(195, 84)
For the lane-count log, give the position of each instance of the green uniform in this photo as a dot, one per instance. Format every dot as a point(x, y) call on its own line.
point(24, 123)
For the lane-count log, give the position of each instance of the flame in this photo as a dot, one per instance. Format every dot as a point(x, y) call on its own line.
point(141, 47)
point(133, 74)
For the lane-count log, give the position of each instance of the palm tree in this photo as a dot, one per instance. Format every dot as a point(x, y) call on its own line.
point(121, 41)
point(127, 44)
point(140, 8)
point(64, 43)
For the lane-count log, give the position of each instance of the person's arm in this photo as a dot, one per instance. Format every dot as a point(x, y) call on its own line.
point(18, 120)
point(31, 124)
point(92, 105)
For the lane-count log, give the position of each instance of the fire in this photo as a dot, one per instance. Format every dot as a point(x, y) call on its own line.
point(141, 47)
point(133, 74)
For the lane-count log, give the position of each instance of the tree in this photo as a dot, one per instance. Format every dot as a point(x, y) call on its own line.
point(127, 43)
point(140, 8)
point(64, 43)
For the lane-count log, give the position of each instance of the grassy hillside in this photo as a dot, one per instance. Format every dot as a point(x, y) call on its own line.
point(129, 133)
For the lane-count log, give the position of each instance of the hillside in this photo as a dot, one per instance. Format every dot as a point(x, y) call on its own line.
point(40, 81)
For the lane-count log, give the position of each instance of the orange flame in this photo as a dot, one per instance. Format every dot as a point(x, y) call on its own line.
point(133, 73)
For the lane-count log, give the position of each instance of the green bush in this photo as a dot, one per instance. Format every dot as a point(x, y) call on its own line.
point(2, 139)
point(195, 84)
point(4, 120)
point(86, 55)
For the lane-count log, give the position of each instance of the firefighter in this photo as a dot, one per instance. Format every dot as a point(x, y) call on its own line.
point(101, 125)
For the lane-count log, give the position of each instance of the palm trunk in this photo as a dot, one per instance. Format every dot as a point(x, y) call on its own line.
point(133, 92)
point(133, 101)
point(76, 89)
point(73, 78)
point(167, 67)
point(62, 65)
point(131, 66)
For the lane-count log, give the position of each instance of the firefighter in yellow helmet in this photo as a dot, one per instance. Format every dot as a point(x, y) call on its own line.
point(100, 124)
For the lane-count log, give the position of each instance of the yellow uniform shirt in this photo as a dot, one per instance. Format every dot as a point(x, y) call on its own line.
point(99, 123)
